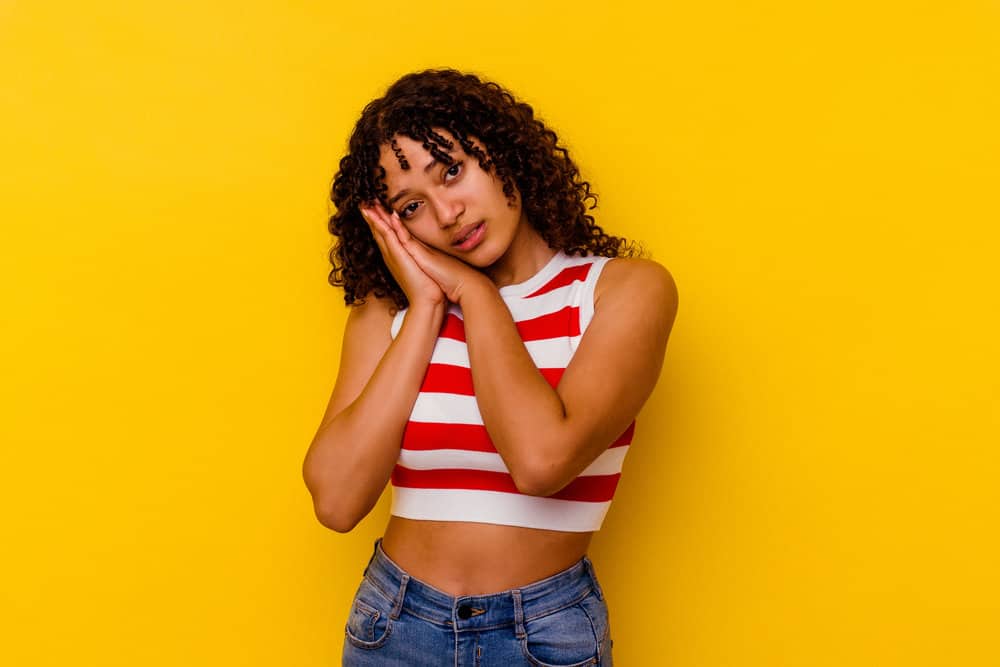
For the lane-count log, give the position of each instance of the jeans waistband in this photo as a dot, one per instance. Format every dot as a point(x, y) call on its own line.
point(480, 612)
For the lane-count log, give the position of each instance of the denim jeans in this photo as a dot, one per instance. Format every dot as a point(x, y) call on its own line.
point(560, 621)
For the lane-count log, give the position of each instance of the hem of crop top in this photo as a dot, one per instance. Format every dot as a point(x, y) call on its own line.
point(498, 508)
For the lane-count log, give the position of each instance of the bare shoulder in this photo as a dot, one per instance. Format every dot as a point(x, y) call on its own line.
point(368, 324)
point(373, 311)
point(643, 281)
point(366, 338)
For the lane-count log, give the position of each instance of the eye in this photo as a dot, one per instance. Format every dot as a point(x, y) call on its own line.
point(453, 171)
point(408, 210)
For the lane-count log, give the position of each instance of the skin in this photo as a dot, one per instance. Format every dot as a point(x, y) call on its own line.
point(546, 437)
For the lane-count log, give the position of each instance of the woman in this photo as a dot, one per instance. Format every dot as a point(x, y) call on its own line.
point(498, 349)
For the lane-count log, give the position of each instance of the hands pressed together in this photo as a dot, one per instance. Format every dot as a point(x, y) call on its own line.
point(425, 274)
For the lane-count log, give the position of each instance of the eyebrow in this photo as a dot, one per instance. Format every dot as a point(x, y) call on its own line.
point(405, 192)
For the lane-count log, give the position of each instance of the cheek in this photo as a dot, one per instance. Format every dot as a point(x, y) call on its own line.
point(419, 232)
point(491, 193)
point(483, 185)
point(427, 233)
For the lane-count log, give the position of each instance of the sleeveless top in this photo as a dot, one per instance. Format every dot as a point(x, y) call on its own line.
point(448, 468)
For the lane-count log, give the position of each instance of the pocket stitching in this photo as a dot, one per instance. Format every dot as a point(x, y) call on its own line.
point(589, 661)
point(607, 629)
point(361, 643)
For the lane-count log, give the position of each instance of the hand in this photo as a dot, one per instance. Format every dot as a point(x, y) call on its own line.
point(417, 285)
point(451, 274)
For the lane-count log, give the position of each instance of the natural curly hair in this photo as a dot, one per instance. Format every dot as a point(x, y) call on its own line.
point(524, 152)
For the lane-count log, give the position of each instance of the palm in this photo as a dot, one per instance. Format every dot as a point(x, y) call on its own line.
point(415, 283)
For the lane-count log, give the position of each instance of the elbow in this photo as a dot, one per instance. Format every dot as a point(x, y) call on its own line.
point(338, 505)
point(539, 488)
point(336, 519)
point(541, 479)
point(333, 511)
point(330, 509)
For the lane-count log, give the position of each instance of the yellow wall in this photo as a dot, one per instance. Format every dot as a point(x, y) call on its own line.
point(815, 480)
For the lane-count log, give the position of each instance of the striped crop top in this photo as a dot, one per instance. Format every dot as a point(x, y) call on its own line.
point(448, 468)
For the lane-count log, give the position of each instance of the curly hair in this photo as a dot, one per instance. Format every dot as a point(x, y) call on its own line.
point(524, 153)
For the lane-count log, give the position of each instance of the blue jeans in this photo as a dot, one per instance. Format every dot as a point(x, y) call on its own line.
point(398, 620)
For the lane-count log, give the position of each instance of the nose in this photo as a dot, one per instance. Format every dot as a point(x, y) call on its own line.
point(448, 208)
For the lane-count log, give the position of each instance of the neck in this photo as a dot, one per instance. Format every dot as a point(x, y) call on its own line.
point(527, 254)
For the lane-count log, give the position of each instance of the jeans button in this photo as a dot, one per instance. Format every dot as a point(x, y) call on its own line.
point(465, 612)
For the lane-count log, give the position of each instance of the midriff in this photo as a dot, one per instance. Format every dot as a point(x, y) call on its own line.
point(462, 558)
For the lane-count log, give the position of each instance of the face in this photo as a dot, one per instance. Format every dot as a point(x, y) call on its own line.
point(459, 209)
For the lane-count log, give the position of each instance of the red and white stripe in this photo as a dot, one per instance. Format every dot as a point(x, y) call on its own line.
point(448, 468)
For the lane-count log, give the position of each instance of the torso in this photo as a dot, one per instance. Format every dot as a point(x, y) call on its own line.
point(470, 558)
point(464, 558)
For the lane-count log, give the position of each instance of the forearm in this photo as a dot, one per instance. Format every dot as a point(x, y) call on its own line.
point(353, 453)
point(523, 414)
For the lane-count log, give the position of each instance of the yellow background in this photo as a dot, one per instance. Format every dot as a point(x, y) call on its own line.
point(814, 481)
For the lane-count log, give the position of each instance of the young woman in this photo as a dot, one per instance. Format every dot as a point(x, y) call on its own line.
point(498, 349)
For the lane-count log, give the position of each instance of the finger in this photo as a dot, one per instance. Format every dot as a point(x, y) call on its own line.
point(420, 252)
point(392, 243)
point(397, 226)
point(394, 227)
point(368, 213)
point(378, 232)
point(397, 238)
point(376, 222)
point(412, 241)
point(381, 213)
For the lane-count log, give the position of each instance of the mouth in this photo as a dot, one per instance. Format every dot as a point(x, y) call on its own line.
point(469, 236)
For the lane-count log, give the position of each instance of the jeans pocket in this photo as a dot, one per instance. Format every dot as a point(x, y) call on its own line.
point(369, 623)
point(597, 610)
point(566, 638)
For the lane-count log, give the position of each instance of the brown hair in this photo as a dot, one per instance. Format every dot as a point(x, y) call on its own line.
point(524, 152)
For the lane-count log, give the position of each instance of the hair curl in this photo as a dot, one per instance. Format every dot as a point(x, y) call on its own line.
point(524, 152)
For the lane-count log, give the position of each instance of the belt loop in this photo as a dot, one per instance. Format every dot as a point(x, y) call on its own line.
point(519, 631)
point(398, 607)
point(593, 577)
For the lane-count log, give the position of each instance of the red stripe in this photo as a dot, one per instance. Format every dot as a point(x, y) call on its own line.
point(625, 438)
point(483, 480)
point(565, 322)
point(425, 435)
point(552, 375)
point(564, 277)
point(453, 328)
point(590, 488)
point(448, 379)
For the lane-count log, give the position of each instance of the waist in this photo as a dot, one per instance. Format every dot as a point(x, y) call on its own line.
point(465, 558)
point(469, 612)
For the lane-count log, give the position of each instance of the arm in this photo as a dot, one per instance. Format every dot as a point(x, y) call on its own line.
point(547, 437)
point(353, 453)
point(357, 444)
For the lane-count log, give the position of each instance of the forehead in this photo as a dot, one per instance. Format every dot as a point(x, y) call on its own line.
point(404, 154)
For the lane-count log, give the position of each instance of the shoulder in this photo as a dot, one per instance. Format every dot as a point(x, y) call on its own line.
point(371, 318)
point(641, 280)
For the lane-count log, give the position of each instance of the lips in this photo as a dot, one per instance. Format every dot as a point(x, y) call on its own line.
point(466, 233)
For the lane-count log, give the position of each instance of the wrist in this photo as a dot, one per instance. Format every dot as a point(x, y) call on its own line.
point(474, 286)
point(429, 310)
point(430, 298)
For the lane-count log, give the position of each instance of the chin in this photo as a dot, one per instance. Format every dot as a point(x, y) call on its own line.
point(483, 258)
